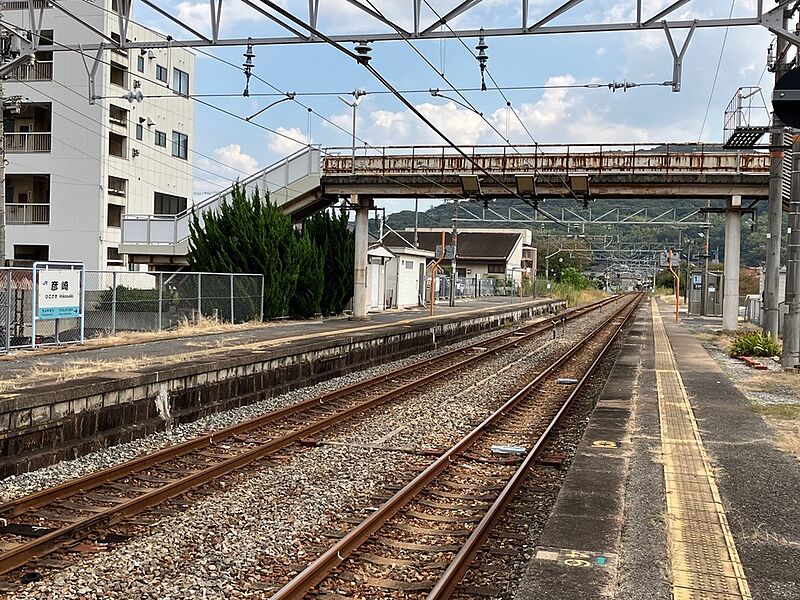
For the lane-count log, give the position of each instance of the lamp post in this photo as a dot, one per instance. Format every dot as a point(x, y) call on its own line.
point(357, 95)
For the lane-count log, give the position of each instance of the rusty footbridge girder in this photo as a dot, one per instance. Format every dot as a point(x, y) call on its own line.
point(663, 171)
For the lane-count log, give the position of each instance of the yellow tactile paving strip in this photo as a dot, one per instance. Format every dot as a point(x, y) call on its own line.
point(704, 563)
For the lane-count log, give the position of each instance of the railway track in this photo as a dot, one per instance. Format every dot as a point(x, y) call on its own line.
point(59, 517)
point(421, 542)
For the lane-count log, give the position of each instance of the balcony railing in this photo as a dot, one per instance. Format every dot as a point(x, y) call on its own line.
point(23, 4)
point(27, 214)
point(18, 143)
point(41, 70)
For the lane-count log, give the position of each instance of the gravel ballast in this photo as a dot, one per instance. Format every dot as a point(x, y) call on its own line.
point(254, 527)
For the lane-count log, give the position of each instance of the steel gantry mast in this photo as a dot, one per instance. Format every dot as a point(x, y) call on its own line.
point(391, 29)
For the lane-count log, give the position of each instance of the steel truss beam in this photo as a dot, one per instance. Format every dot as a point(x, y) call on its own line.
point(568, 216)
point(435, 30)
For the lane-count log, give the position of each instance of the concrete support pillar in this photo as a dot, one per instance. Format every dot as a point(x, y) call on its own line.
point(790, 355)
point(774, 226)
point(733, 234)
point(362, 206)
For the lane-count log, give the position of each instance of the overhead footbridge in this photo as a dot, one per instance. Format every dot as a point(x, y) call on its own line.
point(314, 178)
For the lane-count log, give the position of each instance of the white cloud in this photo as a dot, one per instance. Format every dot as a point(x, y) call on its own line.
point(233, 156)
point(287, 140)
point(227, 164)
point(561, 115)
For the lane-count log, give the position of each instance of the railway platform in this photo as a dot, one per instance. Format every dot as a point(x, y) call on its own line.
point(677, 489)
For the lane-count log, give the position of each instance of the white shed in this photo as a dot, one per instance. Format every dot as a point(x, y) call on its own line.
point(377, 257)
point(405, 276)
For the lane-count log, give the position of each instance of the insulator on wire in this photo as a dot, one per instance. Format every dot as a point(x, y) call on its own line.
point(248, 65)
point(482, 57)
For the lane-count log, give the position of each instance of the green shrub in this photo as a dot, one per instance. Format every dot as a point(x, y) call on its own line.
point(754, 344)
point(130, 299)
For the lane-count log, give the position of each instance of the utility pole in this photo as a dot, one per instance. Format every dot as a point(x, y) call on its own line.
point(775, 207)
point(454, 239)
point(4, 42)
point(790, 355)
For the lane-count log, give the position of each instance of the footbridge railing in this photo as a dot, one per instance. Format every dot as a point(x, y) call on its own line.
point(546, 158)
point(285, 180)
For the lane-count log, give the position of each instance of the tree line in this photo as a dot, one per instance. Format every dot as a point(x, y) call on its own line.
point(306, 272)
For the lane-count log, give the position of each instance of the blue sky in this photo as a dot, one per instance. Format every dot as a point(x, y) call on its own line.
point(647, 114)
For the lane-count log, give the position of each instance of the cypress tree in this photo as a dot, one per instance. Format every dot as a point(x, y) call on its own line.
point(337, 244)
point(310, 281)
point(248, 236)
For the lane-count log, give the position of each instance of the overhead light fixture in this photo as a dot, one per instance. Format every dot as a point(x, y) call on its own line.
point(526, 185)
point(579, 184)
point(470, 185)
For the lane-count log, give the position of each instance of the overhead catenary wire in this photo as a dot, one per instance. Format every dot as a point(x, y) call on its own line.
point(409, 92)
point(221, 187)
point(12, 27)
point(716, 74)
point(499, 89)
point(403, 99)
point(103, 125)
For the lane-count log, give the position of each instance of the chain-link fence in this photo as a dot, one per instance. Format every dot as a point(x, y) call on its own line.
point(117, 301)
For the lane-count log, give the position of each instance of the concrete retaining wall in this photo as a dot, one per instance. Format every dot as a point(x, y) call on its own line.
point(66, 420)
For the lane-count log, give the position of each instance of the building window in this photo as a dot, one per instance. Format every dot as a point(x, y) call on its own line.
point(167, 204)
point(117, 186)
point(140, 63)
point(180, 82)
point(409, 264)
point(161, 138)
point(118, 40)
point(119, 75)
point(180, 145)
point(161, 73)
point(139, 132)
point(113, 257)
point(117, 145)
point(117, 116)
point(114, 215)
point(495, 268)
point(31, 253)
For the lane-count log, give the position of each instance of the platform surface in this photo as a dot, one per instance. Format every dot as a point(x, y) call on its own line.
point(677, 490)
point(275, 333)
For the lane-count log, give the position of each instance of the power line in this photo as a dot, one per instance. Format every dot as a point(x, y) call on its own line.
point(427, 91)
point(12, 27)
point(716, 74)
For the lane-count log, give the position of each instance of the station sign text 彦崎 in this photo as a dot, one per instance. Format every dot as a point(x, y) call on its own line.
point(59, 293)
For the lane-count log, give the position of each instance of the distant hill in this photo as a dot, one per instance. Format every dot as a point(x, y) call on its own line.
point(753, 243)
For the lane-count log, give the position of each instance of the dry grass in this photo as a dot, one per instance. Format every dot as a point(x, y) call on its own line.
point(203, 326)
point(70, 370)
point(789, 437)
point(587, 296)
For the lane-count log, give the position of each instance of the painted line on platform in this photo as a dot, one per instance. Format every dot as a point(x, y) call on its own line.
point(702, 552)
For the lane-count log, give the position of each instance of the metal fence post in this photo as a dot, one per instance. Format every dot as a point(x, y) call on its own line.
point(160, 298)
point(113, 303)
point(233, 318)
point(200, 294)
point(261, 309)
point(9, 273)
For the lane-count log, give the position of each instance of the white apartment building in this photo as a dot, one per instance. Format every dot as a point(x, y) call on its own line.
point(73, 168)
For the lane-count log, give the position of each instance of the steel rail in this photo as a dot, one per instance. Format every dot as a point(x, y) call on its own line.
point(18, 556)
point(448, 582)
point(20, 505)
point(320, 569)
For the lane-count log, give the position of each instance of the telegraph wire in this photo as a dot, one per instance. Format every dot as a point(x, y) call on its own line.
point(716, 73)
point(12, 27)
